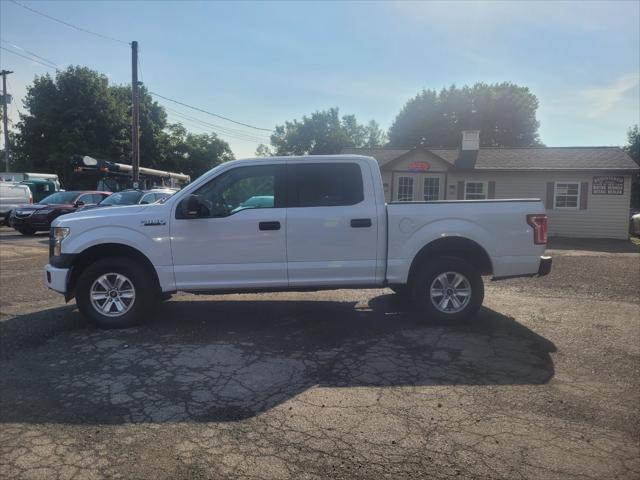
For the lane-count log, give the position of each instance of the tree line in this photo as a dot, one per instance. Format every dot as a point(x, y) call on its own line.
point(77, 111)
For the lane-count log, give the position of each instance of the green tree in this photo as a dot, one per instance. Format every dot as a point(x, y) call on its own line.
point(323, 132)
point(504, 113)
point(191, 153)
point(375, 136)
point(633, 145)
point(263, 151)
point(73, 112)
point(633, 149)
point(78, 112)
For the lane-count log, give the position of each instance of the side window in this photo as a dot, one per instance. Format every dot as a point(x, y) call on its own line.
point(87, 199)
point(475, 190)
point(242, 188)
point(405, 189)
point(567, 195)
point(325, 184)
point(148, 198)
point(431, 189)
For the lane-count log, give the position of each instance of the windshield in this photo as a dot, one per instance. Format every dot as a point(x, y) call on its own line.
point(121, 198)
point(59, 198)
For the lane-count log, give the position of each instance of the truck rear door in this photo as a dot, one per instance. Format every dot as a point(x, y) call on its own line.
point(332, 227)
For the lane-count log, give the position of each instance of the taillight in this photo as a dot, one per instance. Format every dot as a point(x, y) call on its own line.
point(30, 197)
point(539, 224)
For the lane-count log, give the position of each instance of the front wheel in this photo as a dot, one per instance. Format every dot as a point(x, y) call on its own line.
point(114, 293)
point(447, 290)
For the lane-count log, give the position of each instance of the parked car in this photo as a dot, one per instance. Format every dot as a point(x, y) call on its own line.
point(12, 195)
point(133, 197)
point(28, 219)
point(328, 227)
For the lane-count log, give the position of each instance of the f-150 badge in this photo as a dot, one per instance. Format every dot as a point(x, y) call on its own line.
point(153, 223)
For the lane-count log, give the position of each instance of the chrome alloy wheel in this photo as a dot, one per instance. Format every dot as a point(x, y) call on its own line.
point(112, 294)
point(450, 292)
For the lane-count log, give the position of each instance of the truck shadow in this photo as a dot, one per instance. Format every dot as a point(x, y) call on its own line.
point(232, 359)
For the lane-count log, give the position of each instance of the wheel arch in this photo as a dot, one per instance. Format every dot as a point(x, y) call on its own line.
point(458, 247)
point(104, 250)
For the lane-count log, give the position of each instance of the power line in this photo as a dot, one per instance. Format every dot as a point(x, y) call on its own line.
point(29, 58)
point(54, 64)
point(219, 129)
point(205, 128)
point(232, 131)
point(211, 113)
point(71, 25)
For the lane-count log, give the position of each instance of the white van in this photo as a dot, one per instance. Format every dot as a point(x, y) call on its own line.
point(11, 196)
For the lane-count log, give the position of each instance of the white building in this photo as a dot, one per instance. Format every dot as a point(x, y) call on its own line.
point(586, 190)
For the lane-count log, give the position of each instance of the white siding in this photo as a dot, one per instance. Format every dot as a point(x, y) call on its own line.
point(606, 216)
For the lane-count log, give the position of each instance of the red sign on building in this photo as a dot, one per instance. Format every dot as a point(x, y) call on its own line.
point(419, 166)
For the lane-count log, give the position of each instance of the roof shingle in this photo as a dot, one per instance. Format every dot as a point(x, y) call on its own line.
point(535, 158)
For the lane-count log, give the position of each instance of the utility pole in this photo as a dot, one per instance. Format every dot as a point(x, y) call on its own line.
point(5, 120)
point(135, 116)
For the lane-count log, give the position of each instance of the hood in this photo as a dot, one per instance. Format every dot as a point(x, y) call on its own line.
point(96, 213)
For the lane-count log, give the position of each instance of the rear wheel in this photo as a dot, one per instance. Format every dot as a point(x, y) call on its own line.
point(114, 293)
point(447, 290)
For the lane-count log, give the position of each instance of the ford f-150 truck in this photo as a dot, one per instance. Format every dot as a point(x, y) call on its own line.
point(293, 223)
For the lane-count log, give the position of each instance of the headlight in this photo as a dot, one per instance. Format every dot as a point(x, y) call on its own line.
point(57, 235)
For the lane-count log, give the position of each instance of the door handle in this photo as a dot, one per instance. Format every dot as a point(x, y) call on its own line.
point(269, 225)
point(360, 222)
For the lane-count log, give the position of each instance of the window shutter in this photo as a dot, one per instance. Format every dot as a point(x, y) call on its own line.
point(461, 190)
point(584, 195)
point(492, 190)
point(550, 193)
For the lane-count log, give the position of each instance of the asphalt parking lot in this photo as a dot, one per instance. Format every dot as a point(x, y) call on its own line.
point(544, 384)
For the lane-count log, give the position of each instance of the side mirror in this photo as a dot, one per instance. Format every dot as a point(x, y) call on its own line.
point(79, 203)
point(189, 207)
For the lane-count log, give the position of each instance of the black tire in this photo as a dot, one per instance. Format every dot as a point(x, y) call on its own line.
point(27, 231)
point(401, 290)
point(165, 296)
point(426, 276)
point(135, 273)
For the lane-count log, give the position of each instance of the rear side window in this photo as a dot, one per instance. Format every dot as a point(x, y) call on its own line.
point(325, 184)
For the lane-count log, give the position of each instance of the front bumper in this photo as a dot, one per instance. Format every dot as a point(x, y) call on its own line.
point(56, 278)
point(36, 222)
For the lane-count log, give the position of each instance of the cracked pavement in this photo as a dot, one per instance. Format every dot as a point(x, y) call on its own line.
point(544, 384)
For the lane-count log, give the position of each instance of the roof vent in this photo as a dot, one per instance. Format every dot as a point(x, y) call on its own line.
point(471, 139)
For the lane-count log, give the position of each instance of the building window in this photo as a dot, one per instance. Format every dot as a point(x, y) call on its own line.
point(405, 189)
point(431, 189)
point(567, 195)
point(475, 190)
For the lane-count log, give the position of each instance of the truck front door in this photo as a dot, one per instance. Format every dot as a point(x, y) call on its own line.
point(239, 239)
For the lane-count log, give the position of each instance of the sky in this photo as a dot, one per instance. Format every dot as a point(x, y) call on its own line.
point(263, 63)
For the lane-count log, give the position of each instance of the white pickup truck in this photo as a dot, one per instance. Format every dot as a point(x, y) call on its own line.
point(293, 223)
